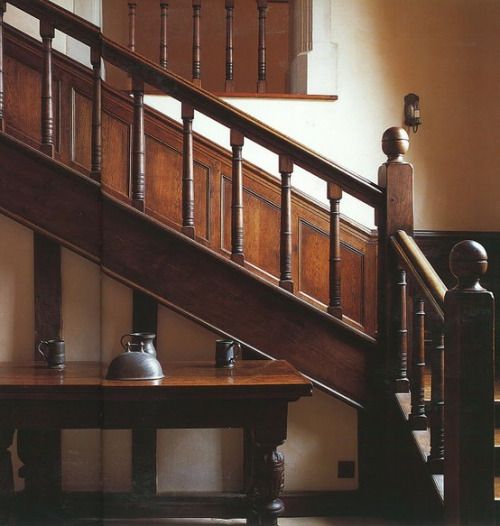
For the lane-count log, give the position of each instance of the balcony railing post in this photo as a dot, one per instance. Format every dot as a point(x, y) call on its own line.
point(402, 382)
point(229, 84)
point(132, 7)
point(261, 66)
point(417, 417)
point(2, 116)
point(196, 43)
point(163, 35)
point(47, 124)
point(469, 312)
point(138, 147)
point(435, 459)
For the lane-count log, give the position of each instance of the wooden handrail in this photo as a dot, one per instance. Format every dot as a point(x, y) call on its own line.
point(204, 102)
point(414, 261)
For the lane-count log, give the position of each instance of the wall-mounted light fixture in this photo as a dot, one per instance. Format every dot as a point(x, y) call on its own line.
point(412, 111)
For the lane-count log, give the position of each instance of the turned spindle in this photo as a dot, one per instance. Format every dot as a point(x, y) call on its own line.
point(96, 146)
point(469, 467)
point(229, 83)
point(261, 64)
point(237, 225)
point(163, 35)
point(196, 43)
point(436, 456)
point(187, 171)
point(2, 119)
point(417, 417)
point(335, 304)
point(402, 382)
point(132, 7)
point(47, 122)
point(286, 168)
point(138, 147)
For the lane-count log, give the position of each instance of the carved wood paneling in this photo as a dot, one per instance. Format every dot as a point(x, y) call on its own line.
point(116, 148)
point(81, 136)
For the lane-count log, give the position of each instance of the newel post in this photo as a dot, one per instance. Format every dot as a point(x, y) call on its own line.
point(396, 213)
point(469, 391)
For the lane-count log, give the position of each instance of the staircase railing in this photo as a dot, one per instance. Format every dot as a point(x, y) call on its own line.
point(467, 309)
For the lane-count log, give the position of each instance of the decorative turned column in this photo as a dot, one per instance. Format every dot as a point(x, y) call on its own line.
point(96, 152)
point(132, 6)
point(436, 458)
point(417, 417)
point(469, 467)
point(286, 169)
point(163, 35)
point(335, 305)
point(402, 382)
point(196, 43)
point(229, 84)
point(261, 66)
point(237, 224)
point(187, 171)
point(138, 147)
point(47, 124)
point(2, 110)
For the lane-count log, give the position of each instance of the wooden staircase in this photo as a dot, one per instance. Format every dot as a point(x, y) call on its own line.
point(177, 218)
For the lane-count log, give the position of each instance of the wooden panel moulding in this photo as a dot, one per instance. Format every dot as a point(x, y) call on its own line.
point(81, 130)
point(116, 159)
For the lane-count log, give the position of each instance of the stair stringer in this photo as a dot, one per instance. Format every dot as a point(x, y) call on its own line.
point(49, 197)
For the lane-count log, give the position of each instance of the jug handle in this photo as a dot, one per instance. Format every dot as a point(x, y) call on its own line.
point(124, 345)
point(43, 342)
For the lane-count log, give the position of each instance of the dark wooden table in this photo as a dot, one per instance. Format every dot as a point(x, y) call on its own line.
point(254, 395)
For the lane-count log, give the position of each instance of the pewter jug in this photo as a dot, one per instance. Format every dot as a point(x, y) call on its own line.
point(138, 338)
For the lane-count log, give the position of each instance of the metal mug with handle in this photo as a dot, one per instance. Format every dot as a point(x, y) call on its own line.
point(54, 354)
point(226, 353)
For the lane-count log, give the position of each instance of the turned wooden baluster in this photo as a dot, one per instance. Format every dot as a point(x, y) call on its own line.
point(187, 171)
point(286, 168)
point(131, 25)
point(469, 466)
point(237, 228)
point(163, 36)
point(96, 153)
point(436, 457)
point(6, 474)
point(229, 84)
point(261, 68)
point(402, 382)
point(334, 196)
point(138, 146)
point(47, 124)
point(417, 417)
point(196, 43)
point(2, 11)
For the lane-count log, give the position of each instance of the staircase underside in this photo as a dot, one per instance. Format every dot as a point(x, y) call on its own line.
point(50, 198)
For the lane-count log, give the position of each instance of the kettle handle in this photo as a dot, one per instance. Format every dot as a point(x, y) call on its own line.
point(124, 345)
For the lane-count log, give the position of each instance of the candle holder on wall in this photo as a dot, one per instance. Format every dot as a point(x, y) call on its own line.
point(412, 111)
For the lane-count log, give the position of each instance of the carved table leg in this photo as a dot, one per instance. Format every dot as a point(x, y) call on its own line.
point(268, 466)
point(6, 475)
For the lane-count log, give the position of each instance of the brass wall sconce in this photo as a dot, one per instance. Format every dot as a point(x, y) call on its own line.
point(412, 111)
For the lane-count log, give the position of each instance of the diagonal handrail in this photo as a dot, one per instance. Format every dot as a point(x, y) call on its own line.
point(204, 102)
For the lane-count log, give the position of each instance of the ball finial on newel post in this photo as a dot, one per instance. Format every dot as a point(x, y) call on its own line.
point(395, 143)
point(468, 262)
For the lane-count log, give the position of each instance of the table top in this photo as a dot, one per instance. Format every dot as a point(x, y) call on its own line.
point(249, 378)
